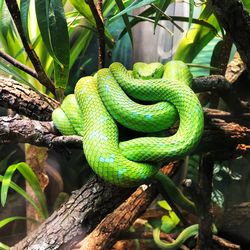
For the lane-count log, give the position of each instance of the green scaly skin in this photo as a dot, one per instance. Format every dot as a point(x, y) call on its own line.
point(183, 236)
point(103, 99)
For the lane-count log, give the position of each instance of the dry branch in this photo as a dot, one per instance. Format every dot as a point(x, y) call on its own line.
point(236, 21)
point(76, 218)
point(25, 101)
point(119, 220)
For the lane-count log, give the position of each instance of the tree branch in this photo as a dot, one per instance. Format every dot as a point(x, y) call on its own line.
point(42, 76)
point(77, 217)
point(219, 84)
point(25, 101)
point(119, 220)
point(17, 64)
point(97, 13)
point(220, 137)
point(236, 21)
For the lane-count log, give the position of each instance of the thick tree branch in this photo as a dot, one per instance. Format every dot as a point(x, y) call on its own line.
point(219, 84)
point(119, 220)
point(220, 137)
point(236, 21)
point(42, 76)
point(76, 218)
point(25, 101)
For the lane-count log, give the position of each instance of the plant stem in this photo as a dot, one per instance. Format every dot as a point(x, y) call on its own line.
point(17, 64)
point(42, 76)
point(98, 15)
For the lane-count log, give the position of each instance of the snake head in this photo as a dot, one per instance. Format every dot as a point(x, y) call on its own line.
point(148, 71)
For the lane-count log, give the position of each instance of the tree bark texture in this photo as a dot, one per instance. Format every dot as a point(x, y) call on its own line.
point(25, 101)
point(119, 220)
point(76, 218)
point(236, 21)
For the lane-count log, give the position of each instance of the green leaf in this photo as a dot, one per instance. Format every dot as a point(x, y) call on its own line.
point(53, 27)
point(10, 219)
point(191, 12)
point(20, 191)
point(167, 224)
point(197, 37)
point(84, 9)
point(30, 177)
point(80, 45)
point(13, 72)
point(134, 5)
point(4, 247)
point(163, 5)
point(164, 204)
point(125, 19)
point(24, 11)
point(246, 4)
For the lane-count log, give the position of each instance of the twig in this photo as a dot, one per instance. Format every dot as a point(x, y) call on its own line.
point(97, 13)
point(225, 243)
point(17, 64)
point(42, 76)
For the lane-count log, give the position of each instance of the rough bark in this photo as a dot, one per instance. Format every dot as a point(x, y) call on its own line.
point(25, 101)
point(76, 218)
point(119, 220)
point(220, 137)
point(236, 21)
point(237, 219)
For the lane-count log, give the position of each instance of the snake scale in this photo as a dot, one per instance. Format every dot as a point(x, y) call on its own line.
point(101, 100)
point(115, 95)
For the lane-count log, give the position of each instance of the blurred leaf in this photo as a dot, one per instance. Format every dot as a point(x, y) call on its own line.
point(164, 205)
point(20, 191)
point(163, 5)
point(125, 19)
point(30, 177)
point(246, 4)
point(10, 71)
point(191, 12)
point(10, 219)
point(197, 37)
point(134, 5)
point(167, 224)
point(24, 11)
point(4, 247)
point(84, 9)
point(53, 27)
point(80, 45)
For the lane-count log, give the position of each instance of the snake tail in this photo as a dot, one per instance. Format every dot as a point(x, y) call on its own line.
point(182, 237)
point(174, 193)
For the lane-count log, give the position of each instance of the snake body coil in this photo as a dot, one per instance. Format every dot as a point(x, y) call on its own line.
point(100, 100)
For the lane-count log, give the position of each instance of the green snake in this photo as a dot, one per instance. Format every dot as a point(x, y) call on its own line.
point(101, 100)
point(115, 95)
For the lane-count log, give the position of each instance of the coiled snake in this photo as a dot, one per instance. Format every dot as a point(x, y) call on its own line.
point(101, 100)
